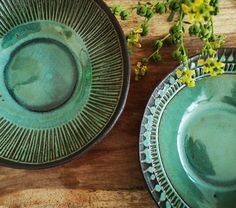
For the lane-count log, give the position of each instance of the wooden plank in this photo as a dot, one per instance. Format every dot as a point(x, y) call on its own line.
point(109, 175)
point(224, 22)
point(112, 166)
point(61, 198)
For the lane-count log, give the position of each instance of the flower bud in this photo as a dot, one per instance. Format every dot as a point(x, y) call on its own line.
point(145, 61)
point(174, 5)
point(161, 8)
point(145, 30)
point(214, 2)
point(174, 29)
point(125, 15)
point(194, 29)
point(156, 57)
point(158, 44)
point(116, 10)
point(177, 55)
point(215, 11)
point(205, 34)
point(141, 10)
point(149, 13)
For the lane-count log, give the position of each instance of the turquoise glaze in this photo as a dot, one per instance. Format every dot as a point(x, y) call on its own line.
point(41, 74)
point(189, 136)
point(201, 141)
point(64, 73)
point(46, 69)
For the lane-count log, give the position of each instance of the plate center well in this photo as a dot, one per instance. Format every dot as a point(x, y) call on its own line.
point(41, 74)
point(206, 144)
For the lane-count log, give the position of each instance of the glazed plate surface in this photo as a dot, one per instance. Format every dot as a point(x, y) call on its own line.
point(64, 77)
point(188, 139)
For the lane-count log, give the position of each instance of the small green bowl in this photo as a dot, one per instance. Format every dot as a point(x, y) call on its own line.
point(65, 77)
point(187, 139)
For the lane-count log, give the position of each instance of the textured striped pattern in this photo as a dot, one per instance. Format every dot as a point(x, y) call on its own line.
point(158, 182)
point(42, 146)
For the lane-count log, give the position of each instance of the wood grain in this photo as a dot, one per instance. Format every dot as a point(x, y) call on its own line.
point(224, 22)
point(61, 198)
point(109, 175)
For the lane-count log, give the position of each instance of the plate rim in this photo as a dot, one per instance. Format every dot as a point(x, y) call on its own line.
point(114, 118)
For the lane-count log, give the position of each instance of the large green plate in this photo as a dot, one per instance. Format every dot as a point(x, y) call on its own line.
point(188, 139)
point(64, 73)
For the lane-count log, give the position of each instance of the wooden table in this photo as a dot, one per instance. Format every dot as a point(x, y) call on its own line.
point(108, 176)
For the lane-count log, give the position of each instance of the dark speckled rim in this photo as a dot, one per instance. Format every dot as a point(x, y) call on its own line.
point(114, 118)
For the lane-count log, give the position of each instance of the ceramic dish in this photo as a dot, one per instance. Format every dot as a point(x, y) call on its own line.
point(64, 77)
point(188, 139)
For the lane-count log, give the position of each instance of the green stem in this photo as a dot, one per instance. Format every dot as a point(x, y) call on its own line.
point(146, 20)
point(133, 8)
point(155, 3)
point(171, 17)
point(163, 39)
point(182, 42)
point(212, 25)
point(167, 36)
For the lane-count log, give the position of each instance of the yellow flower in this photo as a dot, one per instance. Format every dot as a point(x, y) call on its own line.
point(143, 70)
point(138, 45)
point(185, 76)
point(212, 66)
point(179, 73)
point(197, 10)
point(139, 64)
point(133, 38)
point(139, 30)
point(207, 1)
point(198, 2)
point(190, 82)
point(140, 70)
point(185, 72)
point(212, 52)
point(201, 61)
point(186, 8)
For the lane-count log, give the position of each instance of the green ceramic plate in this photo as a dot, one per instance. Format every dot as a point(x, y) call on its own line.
point(188, 139)
point(64, 74)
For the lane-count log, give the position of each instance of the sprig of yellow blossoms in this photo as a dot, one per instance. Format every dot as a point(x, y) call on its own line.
point(196, 15)
point(197, 10)
point(212, 66)
point(185, 76)
point(133, 39)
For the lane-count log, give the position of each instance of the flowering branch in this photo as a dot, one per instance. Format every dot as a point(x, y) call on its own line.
point(195, 15)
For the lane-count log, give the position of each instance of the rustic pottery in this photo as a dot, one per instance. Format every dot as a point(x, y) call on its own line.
point(187, 139)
